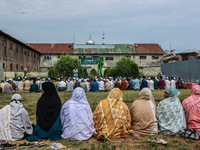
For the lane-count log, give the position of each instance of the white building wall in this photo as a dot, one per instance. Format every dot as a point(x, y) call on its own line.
point(148, 66)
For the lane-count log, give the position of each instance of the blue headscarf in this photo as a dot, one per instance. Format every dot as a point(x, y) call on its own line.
point(172, 91)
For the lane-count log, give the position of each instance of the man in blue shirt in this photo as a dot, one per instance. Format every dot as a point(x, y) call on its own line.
point(94, 86)
point(144, 83)
point(137, 83)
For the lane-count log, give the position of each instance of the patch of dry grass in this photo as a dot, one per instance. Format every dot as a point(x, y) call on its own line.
point(29, 101)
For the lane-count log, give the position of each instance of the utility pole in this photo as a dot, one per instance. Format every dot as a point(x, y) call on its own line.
point(170, 51)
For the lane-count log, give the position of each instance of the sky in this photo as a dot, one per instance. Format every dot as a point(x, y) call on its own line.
point(166, 22)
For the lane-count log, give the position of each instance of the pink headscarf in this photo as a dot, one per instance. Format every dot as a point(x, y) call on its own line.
point(191, 106)
point(196, 90)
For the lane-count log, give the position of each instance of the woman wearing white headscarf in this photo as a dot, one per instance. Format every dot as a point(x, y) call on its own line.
point(14, 121)
point(143, 114)
point(76, 117)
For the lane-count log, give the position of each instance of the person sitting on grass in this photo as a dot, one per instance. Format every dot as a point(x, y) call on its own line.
point(191, 106)
point(47, 115)
point(94, 86)
point(14, 121)
point(76, 117)
point(34, 87)
point(123, 84)
point(112, 117)
point(171, 114)
point(143, 115)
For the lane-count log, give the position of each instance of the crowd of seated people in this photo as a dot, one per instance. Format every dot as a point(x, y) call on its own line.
point(92, 85)
point(111, 118)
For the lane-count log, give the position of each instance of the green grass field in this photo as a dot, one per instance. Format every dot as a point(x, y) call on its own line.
point(29, 100)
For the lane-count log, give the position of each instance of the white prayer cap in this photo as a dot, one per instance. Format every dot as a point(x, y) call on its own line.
point(10, 79)
point(49, 78)
point(16, 97)
point(18, 78)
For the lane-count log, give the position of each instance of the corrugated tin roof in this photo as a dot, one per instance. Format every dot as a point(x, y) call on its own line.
point(52, 48)
point(148, 49)
point(116, 49)
point(96, 46)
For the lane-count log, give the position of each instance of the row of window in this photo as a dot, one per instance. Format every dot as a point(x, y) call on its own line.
point(106, 58)
point(145, 57)
point(112, 58)
point(18, 67)
point(17, 49)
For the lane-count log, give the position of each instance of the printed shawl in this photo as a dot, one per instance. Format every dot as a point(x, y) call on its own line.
point(191, 106)
point(171, 114)
point(112, 116)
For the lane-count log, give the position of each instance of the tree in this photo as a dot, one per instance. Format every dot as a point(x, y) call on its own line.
point(66, 64)
point(106, 72)
point(126, 67)
point(93, 72)
point(110, 72)
point(53, 72)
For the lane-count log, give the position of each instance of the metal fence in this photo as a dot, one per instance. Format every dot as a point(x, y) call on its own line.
point(188, 70)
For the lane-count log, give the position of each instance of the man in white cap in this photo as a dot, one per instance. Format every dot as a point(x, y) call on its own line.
point(8, 87)
point(62, 86)
point(14, 120)
point(173, 82)
point(70, 85)
point(27, 85)
point(20, 84)
point(167, 83)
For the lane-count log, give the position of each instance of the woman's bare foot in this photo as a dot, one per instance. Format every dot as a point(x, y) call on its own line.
point(136, 135)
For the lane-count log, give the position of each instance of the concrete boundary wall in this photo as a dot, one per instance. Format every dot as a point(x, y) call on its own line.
point(189, 70)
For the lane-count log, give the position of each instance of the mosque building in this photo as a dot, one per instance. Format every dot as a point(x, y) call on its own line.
point(148, 56)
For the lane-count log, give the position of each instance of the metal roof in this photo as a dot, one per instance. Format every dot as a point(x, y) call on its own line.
point(94, 46)
point(113, 49)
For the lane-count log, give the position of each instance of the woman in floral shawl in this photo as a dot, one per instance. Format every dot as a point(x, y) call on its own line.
point(171, 114)
point(112, 117)
point(191, 106)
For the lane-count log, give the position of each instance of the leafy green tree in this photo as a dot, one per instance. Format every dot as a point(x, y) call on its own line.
point(53, 72)
point(110, 72)
point(106, 72)
point(66, 64)
point(93, 72)
point(126, 67)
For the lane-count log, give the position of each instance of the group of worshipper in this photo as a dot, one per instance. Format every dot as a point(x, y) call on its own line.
point(111, 118)
point(92, 85)
point(12, 85)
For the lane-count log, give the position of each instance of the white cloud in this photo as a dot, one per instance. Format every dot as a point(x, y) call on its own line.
point(123, 20)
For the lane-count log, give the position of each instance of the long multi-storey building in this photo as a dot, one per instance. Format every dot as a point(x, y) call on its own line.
point(16, 58)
